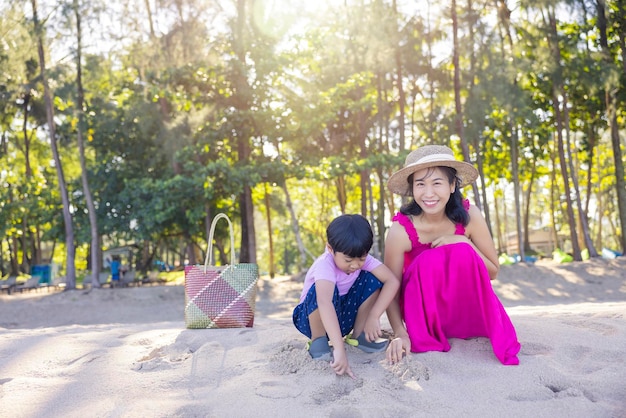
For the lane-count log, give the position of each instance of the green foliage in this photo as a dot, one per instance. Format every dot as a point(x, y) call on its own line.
point(180, 121)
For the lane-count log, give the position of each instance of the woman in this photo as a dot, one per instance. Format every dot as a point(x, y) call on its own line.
point(442, 249)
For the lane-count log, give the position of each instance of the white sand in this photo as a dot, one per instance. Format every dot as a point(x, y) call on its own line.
point(126, 353)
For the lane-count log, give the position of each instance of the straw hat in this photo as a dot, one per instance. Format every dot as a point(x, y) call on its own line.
point(426, 157)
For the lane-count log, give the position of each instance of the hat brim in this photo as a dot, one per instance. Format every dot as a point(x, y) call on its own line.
point(398, 184)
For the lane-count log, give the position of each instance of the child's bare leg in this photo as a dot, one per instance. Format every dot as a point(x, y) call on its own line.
point(317, 327)
point(361, 315)
point(375, 346)
point(318, 346)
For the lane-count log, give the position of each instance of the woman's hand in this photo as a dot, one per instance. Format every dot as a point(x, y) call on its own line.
point(449, 239)
point(397, 349)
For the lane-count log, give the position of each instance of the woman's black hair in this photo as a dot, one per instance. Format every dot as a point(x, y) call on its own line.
point(454, 208)
point(351, 235)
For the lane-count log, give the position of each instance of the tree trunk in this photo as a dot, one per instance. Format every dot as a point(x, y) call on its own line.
point(376, 247)
point(15, 266)
point(190, 249)
point(207, 225)
point(382, 125)
point(400, 87)
point(28, 171)
point(504, 18)
point(620, 183)
point(96, 254)
point(248, 241)
point(364, 174)
point(341, 193)
point(557, 92)
point(571, 218)
point(150, 19)
point(582, 215)
point(589, 186)
point(553, 199)
point(516, 188)
point(599, 216)
point(458, 117)
point(483, 190)
point(67, 217)
point(27, 261)
point(501, 240)
point(611, 101)
point(481, 194)
point(272, 269)
point(528, 197)
point(296, 229)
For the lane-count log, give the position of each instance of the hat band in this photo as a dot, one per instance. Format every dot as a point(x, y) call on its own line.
point(431, 158)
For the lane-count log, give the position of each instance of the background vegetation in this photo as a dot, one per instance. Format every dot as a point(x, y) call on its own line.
point(132, 123)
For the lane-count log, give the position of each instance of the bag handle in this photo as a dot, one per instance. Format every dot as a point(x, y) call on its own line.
point(208, 260)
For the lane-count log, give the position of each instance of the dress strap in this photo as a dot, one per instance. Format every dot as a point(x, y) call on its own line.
point(406, 222)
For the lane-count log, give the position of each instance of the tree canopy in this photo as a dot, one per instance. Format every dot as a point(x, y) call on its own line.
point(285, 114)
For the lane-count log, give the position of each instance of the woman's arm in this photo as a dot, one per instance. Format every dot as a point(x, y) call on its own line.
point(396, 244)
point(480, 238)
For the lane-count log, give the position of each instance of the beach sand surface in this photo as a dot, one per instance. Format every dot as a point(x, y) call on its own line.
point(125, 352)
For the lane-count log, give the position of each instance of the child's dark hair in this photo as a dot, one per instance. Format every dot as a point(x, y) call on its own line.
point(454, 208)
point(351, 235)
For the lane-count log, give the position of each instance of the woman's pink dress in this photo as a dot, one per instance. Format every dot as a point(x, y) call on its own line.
point(446, 293)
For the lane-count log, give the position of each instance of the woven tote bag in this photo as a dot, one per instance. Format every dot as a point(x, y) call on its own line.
point(220, 296)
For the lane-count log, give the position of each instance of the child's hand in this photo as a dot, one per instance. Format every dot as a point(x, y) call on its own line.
point(398, 347)
point(372, 329)
point(340, 364)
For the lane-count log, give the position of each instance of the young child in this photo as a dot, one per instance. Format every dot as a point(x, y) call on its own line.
point(441, 248)
point(345, 289)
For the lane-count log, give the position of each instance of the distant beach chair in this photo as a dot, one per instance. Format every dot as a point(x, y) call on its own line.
point(129, 278)
point(8, 284)
point(153, 278)
point(59, 282)
point(87, 280)
point(30, 284)
point(103, 278)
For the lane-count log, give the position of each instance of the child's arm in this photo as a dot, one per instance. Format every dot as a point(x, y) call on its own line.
point(391, 285)
point(325, 290)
